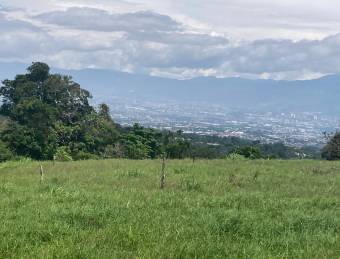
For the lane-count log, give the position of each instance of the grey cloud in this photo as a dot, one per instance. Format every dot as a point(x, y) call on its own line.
point(139, 26)
point(21, 39)
point(149, 39)
point(100, 20)
point(137, 42)
point(7, 25)
point(279, 56)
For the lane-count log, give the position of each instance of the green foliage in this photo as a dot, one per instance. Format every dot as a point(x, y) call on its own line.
point(49, 114)
point(62, 154)
point(250, 152)
point(205, 151)
point(213, 147)
point(28, 142)
point(5, 152)
point(45, 97)
point(236, 156)
point(211, 209)
point(332, 150)
point(47, 111)
point(136, 146)
point(176, 146)
point(38, 72)
point(81, 155)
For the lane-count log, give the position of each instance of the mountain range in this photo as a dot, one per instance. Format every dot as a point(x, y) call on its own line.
point(319, 95)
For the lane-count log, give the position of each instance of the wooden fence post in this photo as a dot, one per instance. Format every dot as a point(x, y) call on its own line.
point(162, 181)
point(41, 173)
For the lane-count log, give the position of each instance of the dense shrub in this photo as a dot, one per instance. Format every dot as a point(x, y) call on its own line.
point(5, 152)
point(250, 152)
point(332, 150)
point(235, 156)
point(85, 156)
point(63, 154)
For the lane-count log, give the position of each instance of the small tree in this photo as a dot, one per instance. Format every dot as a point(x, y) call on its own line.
point(332, 149)
point(5, 152)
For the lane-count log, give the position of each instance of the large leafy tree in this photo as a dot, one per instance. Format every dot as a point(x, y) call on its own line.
point(46, 111)
point(39, 93)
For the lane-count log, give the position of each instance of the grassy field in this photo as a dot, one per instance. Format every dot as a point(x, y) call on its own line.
point(210, 209)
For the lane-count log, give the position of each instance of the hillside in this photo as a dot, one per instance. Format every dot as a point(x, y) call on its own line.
point(210, 209)
point(319, 95)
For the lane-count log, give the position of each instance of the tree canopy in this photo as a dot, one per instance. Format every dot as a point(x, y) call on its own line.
point(43, 109)
point(50, 114)
point(332, 150)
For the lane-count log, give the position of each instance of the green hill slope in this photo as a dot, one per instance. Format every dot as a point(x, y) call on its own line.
point(209, 209)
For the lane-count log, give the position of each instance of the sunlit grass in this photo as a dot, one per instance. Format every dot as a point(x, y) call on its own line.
point(209, 209)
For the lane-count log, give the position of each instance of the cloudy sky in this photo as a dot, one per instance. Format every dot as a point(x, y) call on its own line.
point(291, 39)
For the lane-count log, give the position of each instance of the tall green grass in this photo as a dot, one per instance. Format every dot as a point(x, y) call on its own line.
point(209, 209)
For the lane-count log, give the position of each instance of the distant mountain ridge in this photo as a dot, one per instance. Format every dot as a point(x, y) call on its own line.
point(320, 95)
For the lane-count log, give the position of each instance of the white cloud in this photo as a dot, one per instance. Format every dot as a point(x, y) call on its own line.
point(256, 19)
point(181, 46)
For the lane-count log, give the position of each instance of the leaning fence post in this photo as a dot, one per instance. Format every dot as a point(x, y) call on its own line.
point(41, 173)
point(162, 182)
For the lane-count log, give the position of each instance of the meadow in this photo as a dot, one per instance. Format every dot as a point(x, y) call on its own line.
point(208, 209)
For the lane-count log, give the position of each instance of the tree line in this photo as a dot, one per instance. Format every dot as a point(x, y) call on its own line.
point(47, 116)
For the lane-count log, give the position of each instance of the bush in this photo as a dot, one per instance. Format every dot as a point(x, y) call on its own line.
point(235, 156)
point(250, 152)
point(332, 150)
point(81, 155)
point(5, 153)
point(62, 154)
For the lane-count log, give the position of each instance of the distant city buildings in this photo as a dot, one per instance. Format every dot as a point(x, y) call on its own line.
point(292, 128)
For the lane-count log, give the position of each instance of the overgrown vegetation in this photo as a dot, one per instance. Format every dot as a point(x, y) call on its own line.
point(208, 209)
point(332, 150)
